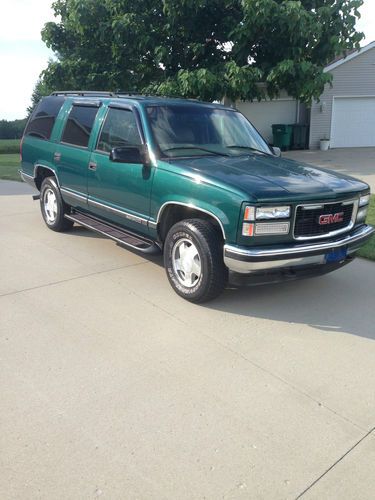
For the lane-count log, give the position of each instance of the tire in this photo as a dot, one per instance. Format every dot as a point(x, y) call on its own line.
point(193, 260)
point(53, 207)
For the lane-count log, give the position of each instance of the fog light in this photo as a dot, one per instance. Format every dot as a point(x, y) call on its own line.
point(271, 228)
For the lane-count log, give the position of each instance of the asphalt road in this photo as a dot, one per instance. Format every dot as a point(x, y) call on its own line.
point(114, 387)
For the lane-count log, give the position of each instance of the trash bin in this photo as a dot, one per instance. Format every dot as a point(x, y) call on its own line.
point(299, 136)
point(282, 136)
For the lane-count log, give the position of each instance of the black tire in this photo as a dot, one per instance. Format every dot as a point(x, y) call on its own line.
point(191, 235)
point(57, 222)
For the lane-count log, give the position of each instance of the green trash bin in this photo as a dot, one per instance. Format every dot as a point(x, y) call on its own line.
point(282, 136)
point(299, 136)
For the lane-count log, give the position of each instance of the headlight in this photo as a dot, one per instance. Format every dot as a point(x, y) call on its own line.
point(272, 212)
point(364, 200)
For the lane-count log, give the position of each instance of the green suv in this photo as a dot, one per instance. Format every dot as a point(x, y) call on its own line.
point(193, 180)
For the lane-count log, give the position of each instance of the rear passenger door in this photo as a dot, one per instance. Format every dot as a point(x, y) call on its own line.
point(73, 153)
point(120, 192)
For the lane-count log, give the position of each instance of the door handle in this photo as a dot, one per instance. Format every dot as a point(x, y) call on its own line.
point(57, 156)
point(92, 165)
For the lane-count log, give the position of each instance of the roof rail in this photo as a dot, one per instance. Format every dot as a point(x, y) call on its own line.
point(84, 93)
point(130, 93)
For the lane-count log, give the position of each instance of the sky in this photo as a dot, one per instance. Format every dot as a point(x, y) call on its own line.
point(23, 55)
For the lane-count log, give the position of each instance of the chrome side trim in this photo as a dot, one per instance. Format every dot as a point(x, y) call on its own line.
point(152, 224)
point(134, 218)
point(73, 194)
point(189, 205)
point(29, 179)
point(331, 234)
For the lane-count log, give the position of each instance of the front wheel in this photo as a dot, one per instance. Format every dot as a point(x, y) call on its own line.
point(193, 259)
point(53, 207)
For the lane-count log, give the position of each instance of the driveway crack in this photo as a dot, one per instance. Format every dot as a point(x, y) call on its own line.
point(335, 463)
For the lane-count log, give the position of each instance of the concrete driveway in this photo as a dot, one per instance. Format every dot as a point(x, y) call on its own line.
point(358, 162)
point(114, 387)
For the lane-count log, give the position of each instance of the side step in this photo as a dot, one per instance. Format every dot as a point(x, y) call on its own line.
point(122, 236)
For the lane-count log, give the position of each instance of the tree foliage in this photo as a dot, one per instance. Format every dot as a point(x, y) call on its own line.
point(199, 48)
point(40, 89)
point(11, 129)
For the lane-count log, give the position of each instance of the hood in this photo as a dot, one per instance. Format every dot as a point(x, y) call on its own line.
point(267, 177)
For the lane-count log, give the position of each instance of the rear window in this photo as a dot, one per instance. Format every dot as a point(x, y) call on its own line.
point(43, 117)
point(79, 125)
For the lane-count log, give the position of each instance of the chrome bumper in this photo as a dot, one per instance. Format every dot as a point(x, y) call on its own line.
point(247, 260)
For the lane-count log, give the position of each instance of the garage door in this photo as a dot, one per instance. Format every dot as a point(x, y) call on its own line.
point(264, 114)
point(353, 122)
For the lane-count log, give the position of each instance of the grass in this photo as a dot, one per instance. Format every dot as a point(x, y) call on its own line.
point(9, 146)
point(9, 165)
point(368, 250)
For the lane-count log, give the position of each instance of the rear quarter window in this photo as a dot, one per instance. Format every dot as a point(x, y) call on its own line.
point(43, 117)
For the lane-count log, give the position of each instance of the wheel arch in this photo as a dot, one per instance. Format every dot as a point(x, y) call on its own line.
point(172, 212)
point(41, 172)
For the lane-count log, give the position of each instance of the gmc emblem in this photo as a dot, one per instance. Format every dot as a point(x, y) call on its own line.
point(331, 218)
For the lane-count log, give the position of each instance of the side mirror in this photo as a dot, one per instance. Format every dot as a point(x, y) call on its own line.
point(276, 151)
point(130, 154)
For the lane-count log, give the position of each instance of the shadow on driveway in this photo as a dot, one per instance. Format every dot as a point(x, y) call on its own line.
point(341, 302)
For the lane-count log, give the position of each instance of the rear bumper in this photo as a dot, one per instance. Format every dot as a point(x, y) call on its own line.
point(247, 260)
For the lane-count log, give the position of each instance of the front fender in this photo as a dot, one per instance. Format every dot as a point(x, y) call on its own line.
point(181, 189)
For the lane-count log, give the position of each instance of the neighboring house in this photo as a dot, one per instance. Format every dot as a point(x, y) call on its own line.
point(345, 113)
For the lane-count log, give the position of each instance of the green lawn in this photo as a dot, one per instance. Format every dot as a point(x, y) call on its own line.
point(9, 165)
point(368, 251)
point(9, 146)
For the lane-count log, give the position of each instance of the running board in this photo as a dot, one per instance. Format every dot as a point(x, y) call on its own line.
point(121, 236)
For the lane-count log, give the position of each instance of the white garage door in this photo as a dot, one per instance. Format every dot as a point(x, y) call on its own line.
point(353, 122)
point(264, 114)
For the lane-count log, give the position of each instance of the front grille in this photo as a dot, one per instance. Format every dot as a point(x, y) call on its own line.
point(307, 219)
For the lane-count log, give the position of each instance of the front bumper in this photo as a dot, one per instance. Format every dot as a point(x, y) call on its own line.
point(247, 260)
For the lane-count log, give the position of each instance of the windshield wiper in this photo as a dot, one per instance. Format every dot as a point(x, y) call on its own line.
point(196, 147)
point(235, 146)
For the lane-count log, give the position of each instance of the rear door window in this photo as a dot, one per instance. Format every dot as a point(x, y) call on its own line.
point(43, 117)
point(79, 125)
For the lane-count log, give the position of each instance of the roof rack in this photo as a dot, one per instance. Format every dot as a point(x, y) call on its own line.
point(84, 93)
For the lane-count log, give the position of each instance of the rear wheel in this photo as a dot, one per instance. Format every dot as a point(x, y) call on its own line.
point(193, 259)
point(53, 207)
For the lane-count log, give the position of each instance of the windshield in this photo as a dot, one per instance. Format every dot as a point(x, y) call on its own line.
point(196, 130)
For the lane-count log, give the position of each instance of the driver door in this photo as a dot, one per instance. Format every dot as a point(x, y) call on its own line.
point(119, 192)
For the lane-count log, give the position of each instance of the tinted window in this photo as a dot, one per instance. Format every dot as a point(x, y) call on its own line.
point(79, 125)
point(119, 129)
point(197, 129)
point(43, 118)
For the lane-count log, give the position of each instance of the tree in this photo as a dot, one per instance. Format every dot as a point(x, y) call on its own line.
point(200, 48)
point(41, 89)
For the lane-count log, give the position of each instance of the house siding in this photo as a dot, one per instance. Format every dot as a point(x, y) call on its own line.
point(356, 77)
